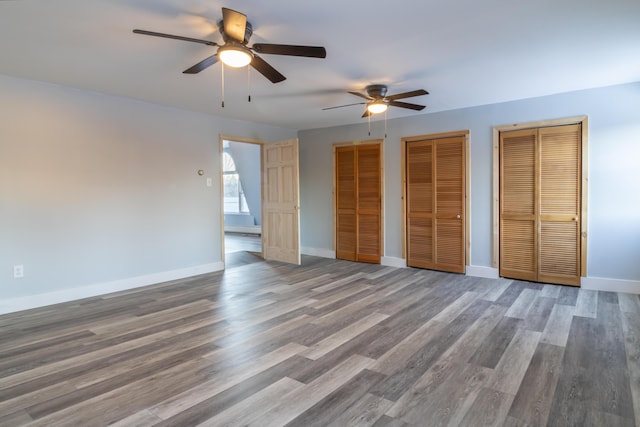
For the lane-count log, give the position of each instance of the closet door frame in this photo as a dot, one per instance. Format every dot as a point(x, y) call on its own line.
point(467, 190)
point(582, 120)
point(337, 145)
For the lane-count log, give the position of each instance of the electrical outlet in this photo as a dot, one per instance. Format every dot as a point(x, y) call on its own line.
point(18, 271)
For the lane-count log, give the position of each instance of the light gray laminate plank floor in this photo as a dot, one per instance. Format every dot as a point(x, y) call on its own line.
point(329, 342)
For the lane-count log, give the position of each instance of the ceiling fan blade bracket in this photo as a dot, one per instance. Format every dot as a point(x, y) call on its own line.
point(234, 25)
point(247, 33)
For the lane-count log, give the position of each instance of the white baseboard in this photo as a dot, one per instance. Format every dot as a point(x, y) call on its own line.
point(323, 253)
point(482, 271)
point(391, 261)
point(40, 300)
point(610, 285)
point(471, 270)
point(24, 303)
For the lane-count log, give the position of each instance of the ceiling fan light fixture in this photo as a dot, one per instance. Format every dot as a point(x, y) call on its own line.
point(377, 107)
point(235, 55)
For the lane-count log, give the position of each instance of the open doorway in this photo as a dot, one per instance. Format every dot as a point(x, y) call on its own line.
point(242, 201)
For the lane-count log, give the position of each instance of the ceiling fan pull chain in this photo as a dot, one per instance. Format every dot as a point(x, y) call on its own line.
point(369, 120)
point(385, 124)
point(249, 83)
point(223, 85)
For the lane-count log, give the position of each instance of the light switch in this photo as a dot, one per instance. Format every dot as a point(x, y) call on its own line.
point(18, 271)
point(209, 182)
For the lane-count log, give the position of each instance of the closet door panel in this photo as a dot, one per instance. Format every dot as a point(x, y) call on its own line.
point(368, 240)
point(346, 203)
point(517, 252)
point(420, 243)
point(559, 249)
point(420, 204)
point(368, 203)
point(518, 212)
point(449, 203)
point(560, 204)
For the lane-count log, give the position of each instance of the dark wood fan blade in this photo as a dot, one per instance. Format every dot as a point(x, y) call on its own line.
point(367, 113)
point(171, 36)
point(205, 63)
point(345, 105)
point(361, 95)
point(266, 70)
point(291, 50)
point(235, 24)
point(406, 105)
point(407, 94)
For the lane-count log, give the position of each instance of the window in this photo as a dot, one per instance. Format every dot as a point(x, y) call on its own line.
point(234, 200)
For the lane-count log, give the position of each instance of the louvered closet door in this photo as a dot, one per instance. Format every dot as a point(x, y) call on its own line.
point(420, 203)
point(449, 235)
point(435, 204)
point(369, 210)
point(518, 213)
point(346, 203)
point(560, 204)
point(540, 204)
point(358, 203)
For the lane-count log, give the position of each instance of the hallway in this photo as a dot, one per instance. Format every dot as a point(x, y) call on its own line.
point(242, 249)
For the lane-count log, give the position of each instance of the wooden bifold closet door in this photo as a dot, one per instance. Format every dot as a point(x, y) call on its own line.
point(435, 177)
point(358, 203)
point(540, 204)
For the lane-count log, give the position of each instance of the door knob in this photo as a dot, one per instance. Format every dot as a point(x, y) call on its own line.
point(458, 216)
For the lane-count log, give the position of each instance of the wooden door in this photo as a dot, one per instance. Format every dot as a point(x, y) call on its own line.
point(435, 170)
point(518, 210)
point(369, 203)
point(540, 204)
point(420, 204)
point(560, 204)
point(358, 203)
point(346, 213)
point(281, 219)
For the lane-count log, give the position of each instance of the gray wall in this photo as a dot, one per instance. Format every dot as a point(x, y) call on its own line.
point(247, 159)
point(614, 172)
point(95, 189)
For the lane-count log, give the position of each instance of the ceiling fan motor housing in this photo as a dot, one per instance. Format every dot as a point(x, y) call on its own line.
point(376, 91)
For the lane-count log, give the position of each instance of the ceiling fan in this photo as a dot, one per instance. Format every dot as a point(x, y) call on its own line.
point(378, 101)
point(235, 52)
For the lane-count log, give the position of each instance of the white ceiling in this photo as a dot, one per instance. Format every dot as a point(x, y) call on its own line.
point(464, 52)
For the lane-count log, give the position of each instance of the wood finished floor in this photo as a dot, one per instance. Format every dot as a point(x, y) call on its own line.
point(326, 343)
point(242, 242)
